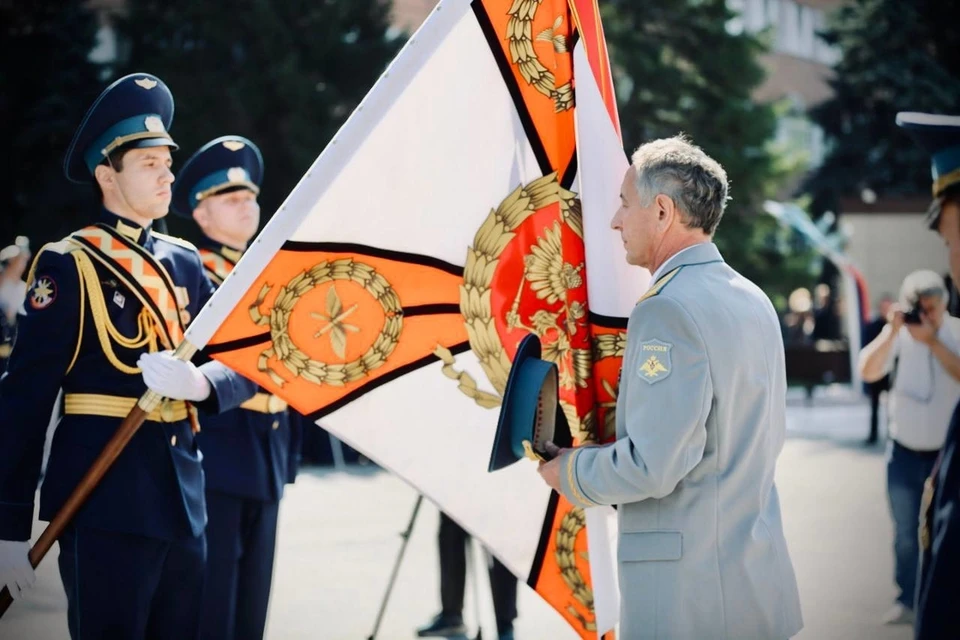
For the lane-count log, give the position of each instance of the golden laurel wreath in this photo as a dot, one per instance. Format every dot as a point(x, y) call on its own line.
point(520, 39)
point(609, 346)
point(294, 358)
point(550, 278)
point(566, 537)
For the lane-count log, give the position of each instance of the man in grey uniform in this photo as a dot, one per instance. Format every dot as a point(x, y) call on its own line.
point(700, 423)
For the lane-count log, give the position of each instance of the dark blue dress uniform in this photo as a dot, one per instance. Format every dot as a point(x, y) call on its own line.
point(132, 560)
point(939, 532)
point(249, 453)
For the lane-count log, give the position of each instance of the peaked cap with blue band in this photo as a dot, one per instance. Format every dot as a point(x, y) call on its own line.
point(530, 414)
point(227, 163)
point(939, 136)
point(136, 111)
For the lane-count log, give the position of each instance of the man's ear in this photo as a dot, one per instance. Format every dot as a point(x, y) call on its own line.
point(201, 216)
point(104, 176)
point(666, 209)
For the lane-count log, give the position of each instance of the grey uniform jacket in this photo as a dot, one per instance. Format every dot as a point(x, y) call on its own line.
point(700, 423)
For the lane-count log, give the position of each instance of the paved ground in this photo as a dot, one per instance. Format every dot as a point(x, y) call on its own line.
point(340, 535)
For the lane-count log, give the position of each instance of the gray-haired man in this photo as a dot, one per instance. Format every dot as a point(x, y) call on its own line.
point(700, 422)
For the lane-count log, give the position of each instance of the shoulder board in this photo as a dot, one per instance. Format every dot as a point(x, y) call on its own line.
point(660, 285)
point(62, 247)
point(180, 242)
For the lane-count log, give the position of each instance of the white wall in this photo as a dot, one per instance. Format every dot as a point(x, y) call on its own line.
point(888, 246)
point(794, 27)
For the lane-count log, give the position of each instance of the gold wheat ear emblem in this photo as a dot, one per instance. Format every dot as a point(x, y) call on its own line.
point(550, 35)
point(334, 323)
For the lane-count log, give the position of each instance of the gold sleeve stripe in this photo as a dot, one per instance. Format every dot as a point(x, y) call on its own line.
point(572, 480)
point(265, 403)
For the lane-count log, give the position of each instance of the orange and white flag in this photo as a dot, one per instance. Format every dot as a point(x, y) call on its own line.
point(464, 204)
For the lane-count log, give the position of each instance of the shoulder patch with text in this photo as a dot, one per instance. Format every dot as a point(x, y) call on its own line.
point(654, 361)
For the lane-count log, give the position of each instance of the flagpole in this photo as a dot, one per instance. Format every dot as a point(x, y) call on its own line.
point(396, 565)
point(125, 432)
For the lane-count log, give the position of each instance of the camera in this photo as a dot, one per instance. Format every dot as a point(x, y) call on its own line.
point(912, 315)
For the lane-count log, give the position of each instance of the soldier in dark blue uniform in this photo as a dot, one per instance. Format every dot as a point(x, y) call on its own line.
point(939, 582)
point(249, 453)
point(104, 307)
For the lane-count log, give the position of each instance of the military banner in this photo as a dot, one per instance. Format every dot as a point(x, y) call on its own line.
point(465, 204)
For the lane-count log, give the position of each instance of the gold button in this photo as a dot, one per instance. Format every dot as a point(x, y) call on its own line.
point(276, 425)
point(173, 441)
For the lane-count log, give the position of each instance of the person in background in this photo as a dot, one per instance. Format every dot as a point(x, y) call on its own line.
point(875, 390)
point(453, 543)
point(919, 347)
point(251, 452)
point(14, 260)
point(826, 321)
point(798, 321)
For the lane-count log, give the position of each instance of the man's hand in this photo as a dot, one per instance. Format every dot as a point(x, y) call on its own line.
point(173, 378)
point(895, 318)
point(550, 471)
point(16, 573)
point(924, 332)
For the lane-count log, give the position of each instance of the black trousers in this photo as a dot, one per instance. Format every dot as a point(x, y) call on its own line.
point(122, 586)
point(241, 539)
point(453, 577)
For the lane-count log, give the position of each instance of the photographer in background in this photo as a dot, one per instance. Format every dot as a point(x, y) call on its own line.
point(920, 348)
point(13, 263)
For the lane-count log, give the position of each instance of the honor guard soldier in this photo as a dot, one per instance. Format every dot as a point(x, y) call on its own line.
point(939, 533)
point(104, 308)
point(249, 453)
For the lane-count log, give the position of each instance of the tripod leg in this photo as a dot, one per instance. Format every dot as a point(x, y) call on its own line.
point(396, 565)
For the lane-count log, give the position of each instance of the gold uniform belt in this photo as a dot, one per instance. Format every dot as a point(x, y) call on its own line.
point(94, 404)
point(265, 403)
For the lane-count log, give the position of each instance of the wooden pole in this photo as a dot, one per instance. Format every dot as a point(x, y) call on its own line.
point(128, 428)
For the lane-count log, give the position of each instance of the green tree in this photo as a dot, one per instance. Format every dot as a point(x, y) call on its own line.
point(284, 74)
point(46, 83)
point(678, 69)
point(896, 56)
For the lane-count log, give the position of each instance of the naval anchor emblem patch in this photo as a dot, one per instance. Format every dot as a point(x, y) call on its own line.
point(654, 361)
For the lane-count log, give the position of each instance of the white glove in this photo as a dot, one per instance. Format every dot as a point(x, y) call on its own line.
point(173, 378)
point(12, 295)
point(16, 573)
